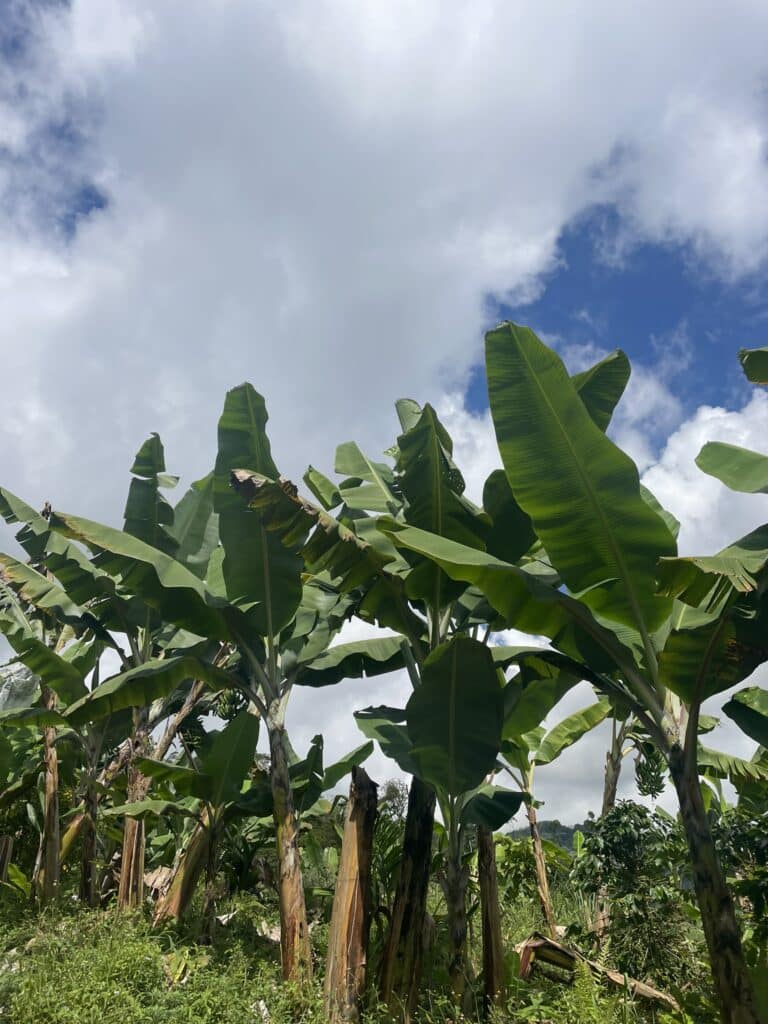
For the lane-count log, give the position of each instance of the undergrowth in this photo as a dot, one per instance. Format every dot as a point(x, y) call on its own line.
point(75, 966)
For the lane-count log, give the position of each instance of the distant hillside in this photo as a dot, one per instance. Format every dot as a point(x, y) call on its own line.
point(554, 831)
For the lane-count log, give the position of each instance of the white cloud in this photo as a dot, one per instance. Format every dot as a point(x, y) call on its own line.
point(711, 516)
point(320, 197)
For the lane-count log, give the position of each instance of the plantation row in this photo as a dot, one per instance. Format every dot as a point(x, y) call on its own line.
point(216, 610)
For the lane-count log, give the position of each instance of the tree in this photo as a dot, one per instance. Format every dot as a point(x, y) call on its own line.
point(79, 602)
point(250, 620)
point(530, 697)
point(661, 649)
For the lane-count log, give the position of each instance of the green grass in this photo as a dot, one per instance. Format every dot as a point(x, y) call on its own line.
point(103, 967)
point(108, 968)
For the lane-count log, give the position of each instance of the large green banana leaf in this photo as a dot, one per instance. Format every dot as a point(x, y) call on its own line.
point(38, 716)
point(754, 362)
point(160, 581)
point(56, 672)
point(738, 468)
point(336, 552)
point(186, 781)
point(335, 772)
point(581, 492)
point(353, 660)
point(261, 569)
point(230, 756)
point(455, 716)
point(719, 765)
point(140, 686)
point(45, 594)
point(433, 488)
point(511, 533)
point(570, 730)
point(491, 807)
point(196, 527)
point(386, 726)
point(708, 652)
point(650, 498)
point(749, 710)
point(76, 573)
point(150, 808)
point(524, 601)
point(533, 693)
point(148, 513)
point(369, 485)
point(602, 385)
point(41, 591)
point(708, 580)
point(325, 490)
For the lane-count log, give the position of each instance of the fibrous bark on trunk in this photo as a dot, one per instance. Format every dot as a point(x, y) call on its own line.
point(46, 878)
point(613, 763)
point(294, 931)
point(6, 852)
point(130, 893)
point(455, 889)
point(186, 874)
point(404, 949)
point(493, 951)
point(88, 873)
point(540, 864)
point(718, 917)
point(351, 916)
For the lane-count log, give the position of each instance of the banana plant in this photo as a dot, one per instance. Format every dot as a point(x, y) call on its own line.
point(73, 594)
point(407, 595)
point(212, 791)
point(60, 668)
point(256, 609)
point(530, 696)
point(424, 488)
point(660, 633)
point(449, 735)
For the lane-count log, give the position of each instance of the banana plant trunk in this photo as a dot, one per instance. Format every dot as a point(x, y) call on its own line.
point(613, 762)
point(186, 875)
point(540, 866)
point(404, 950)
point(455, 888)
point(493, 950)
point(88, 872)
point(130, 893)
point(209, 895)
point(6, 853)
point(718, 917)
point(294, 930)
point(46, 881)
point(351, 916)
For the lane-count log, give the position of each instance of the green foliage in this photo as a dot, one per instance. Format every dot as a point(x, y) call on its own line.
point(110, 969)
point(634, 859)
point(454, 717)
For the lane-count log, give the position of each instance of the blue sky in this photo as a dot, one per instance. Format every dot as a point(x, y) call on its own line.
point(647, 299)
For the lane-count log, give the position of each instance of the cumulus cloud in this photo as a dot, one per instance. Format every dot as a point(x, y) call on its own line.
point(321, 197)
point(711, 516)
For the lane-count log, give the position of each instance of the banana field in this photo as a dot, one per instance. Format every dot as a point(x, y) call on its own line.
point(154, 810)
